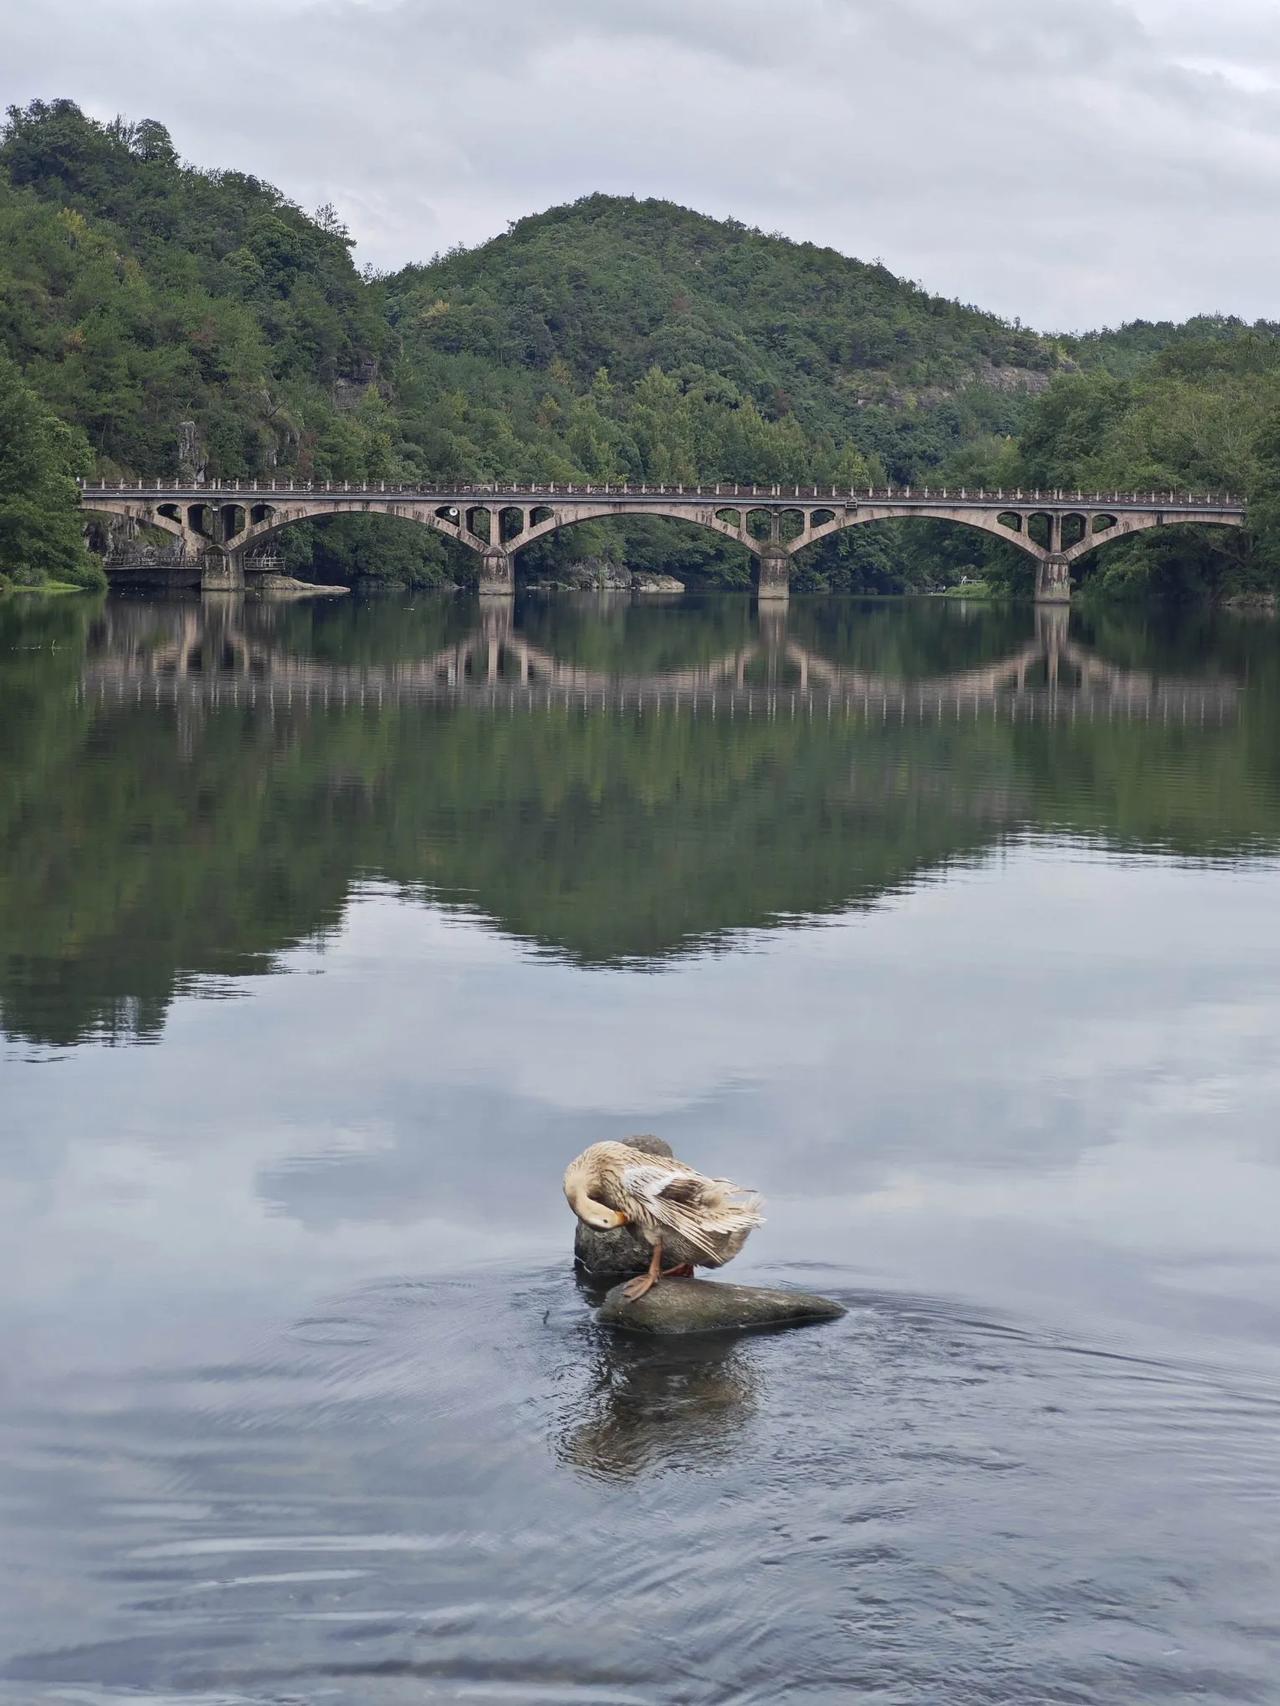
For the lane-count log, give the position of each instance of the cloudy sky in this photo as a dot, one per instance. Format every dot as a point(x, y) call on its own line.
point(1069, 163)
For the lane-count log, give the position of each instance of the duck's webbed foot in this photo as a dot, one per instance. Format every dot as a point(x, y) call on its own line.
point(682, 1270)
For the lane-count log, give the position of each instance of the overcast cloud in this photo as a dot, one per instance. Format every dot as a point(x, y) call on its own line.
point(1071, 162)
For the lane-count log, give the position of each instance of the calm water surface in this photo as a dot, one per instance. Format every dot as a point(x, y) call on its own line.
point(329, 932)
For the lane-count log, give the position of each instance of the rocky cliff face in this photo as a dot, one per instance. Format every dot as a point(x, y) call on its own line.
point(591, 575)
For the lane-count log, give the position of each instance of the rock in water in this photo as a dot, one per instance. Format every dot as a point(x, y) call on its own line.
point(708, 1306)
point(623, 1251)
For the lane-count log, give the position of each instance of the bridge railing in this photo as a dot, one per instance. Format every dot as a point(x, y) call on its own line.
point(775, 492)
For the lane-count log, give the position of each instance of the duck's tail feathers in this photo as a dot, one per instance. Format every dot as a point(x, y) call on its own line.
point(702, 1211)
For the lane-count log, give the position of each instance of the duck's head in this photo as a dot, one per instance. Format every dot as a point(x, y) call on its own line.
point(578, 1181)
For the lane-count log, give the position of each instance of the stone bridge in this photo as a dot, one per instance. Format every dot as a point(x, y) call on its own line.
point(197, 655)
point(223, 524)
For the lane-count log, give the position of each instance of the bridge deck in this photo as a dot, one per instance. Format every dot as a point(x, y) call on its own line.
point(773, 496)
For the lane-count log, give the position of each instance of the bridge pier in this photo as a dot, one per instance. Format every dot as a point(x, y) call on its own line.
point(1053, 580)
point(222, 571)
point(774, 574)
point(497, 573)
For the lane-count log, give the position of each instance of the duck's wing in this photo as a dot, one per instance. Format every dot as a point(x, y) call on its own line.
point(701, 1210)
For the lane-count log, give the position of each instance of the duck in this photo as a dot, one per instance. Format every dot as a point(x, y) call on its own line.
point(680, 1212)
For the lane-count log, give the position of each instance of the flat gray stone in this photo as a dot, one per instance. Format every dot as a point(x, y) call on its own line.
point(708, 1306)
point(623, 1251)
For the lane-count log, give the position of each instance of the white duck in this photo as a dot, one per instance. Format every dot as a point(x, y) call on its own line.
point(701, 1222)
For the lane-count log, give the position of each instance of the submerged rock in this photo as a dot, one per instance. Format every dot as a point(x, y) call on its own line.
point(623, 1251)
point(708, 1306)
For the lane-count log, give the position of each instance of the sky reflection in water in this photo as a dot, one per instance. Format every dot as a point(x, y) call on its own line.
point(301, 1400)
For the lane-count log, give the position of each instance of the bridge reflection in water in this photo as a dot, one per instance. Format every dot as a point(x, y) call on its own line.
point(203, 786)
point(231, 652)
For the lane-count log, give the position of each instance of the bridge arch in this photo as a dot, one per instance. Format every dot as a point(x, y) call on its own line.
point(700, 515)
point(154, 516)
point(1124, 525)
point(275, 518)
point(1091, 537)
point(990, 523)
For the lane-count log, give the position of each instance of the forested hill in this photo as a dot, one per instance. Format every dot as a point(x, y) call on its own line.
point(188, 321)
point(841, 351)
point(136, 293)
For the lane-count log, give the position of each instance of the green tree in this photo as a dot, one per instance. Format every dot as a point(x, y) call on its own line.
point(1264, 496)
point(40, 520)
point(151, 141)
point(1198, 416)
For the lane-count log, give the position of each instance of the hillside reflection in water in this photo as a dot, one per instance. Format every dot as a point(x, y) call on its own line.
point(952, 929)
point(197, 786)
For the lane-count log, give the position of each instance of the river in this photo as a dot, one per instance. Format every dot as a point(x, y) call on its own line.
point(330, 931)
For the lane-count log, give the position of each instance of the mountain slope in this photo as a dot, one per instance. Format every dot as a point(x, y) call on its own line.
point(136, 294)
point(847, 349)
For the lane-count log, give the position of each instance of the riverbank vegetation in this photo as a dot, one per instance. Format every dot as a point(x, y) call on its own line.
point(194, 323)
point(40, 532)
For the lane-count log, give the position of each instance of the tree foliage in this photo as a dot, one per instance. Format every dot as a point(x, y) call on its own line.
point(40, 521)
point(1200, 417)
point(137, 293)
